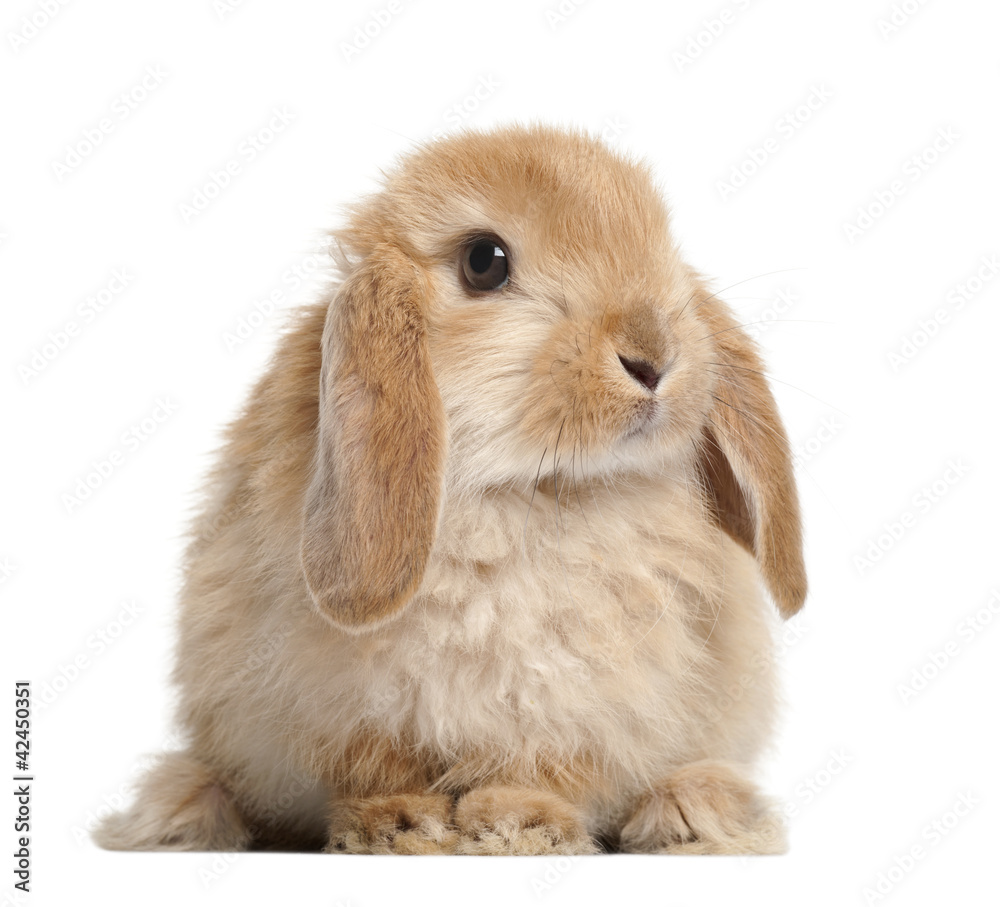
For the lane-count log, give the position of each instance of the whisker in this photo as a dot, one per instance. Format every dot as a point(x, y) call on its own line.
point(562, 285)
point(555, 474)
point(751, 417)
point(524, 537)
point(576, 485)
point(562, 560)
point(605, 312)
point(764, 321)
point(776, 381)
point(586, 452)
point(716, 294)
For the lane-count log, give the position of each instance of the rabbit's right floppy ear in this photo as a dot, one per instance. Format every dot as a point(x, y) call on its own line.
point(372, 507)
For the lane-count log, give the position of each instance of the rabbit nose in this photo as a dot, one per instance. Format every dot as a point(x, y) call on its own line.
point(643, 372)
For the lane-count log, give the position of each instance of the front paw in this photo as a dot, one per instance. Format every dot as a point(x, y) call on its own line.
point(401, 824)
point(704, 807)
point(519, 820)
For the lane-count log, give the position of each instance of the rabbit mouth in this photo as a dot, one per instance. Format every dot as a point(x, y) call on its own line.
point(646, 420)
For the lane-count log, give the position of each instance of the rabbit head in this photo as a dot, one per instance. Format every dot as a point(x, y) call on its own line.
point(515, 310)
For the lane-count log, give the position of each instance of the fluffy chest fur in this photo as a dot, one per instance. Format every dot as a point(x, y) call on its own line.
point(618, 631)
point(579, 631)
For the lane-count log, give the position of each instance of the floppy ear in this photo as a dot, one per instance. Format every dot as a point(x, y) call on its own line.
point(372, 507)
point(748, 469)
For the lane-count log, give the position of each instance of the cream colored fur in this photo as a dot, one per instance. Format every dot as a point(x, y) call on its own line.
point(587, 650)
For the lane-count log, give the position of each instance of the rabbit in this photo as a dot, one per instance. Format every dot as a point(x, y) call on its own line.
point(481, 567)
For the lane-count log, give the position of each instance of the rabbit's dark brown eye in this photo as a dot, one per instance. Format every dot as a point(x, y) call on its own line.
point(484, 265)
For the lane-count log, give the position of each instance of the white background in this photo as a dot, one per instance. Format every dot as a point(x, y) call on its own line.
point(865, 762)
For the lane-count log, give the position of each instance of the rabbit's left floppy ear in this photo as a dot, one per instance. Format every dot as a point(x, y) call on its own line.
point(747, 464)
point(372, 506)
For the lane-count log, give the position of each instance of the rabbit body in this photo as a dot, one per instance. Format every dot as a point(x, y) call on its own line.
point(583, 659)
